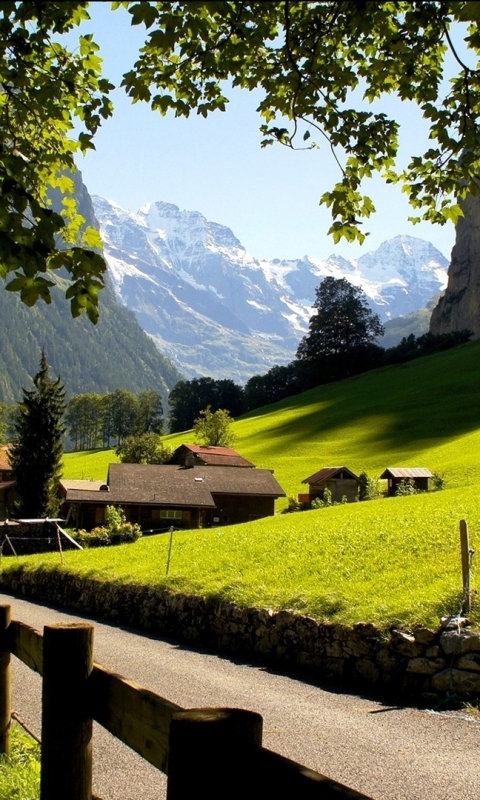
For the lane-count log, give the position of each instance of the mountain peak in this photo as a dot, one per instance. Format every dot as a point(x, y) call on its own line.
point(216, 310)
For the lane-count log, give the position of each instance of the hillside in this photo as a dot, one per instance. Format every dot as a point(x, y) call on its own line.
point(422, 413)
point(392, 561)
point(90, 358)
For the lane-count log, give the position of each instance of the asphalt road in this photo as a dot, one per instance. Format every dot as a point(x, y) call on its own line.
point(388, 753)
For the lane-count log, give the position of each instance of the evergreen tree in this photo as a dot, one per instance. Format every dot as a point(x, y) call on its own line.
point(37, 449)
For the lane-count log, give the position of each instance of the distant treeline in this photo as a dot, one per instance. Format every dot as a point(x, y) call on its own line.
point(95, 420)
point(188, 398)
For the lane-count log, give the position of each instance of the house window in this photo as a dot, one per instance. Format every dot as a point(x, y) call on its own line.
point(99, 515)
point(164, 514)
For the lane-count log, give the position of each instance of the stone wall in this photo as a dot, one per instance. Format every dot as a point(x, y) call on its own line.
point(423, 665)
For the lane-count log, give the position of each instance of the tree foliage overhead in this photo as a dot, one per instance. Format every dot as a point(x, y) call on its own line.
point(323, 69)
point(51, 104)
point(319, 66)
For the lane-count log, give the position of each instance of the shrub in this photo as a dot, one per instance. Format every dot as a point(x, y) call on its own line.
point(293, 504)
point(406, 487)
point(438, 481)
point(325, 501)
point(116, 531)
point(370, 488)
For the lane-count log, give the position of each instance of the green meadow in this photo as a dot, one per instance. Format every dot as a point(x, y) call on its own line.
point(391, 561)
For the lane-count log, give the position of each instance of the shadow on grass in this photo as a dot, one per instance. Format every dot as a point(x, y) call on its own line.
point(433, 398)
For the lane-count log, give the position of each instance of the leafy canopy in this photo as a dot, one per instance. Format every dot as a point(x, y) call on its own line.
point(214, 428)
point(51, 104)
point(318, 65)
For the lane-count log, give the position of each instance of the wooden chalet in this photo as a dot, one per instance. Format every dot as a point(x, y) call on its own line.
point(7, 485)
point(341, 481)
point(191, 455)
point(157, 496)
point(395, 475)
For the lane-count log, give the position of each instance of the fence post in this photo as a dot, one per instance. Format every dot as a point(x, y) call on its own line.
point(465, 551)
point(66, 761)
point(5, 682)
point(213, 753)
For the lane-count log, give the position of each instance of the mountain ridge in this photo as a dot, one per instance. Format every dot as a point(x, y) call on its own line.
point(216, 310)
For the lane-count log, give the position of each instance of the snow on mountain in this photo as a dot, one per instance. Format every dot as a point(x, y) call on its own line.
point(216, 310)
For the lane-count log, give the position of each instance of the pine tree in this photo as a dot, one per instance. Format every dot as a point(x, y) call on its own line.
point(37, 449)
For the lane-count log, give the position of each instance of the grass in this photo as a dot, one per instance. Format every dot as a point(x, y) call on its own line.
point(392, 561)
point(20, 774)
point(424, 413)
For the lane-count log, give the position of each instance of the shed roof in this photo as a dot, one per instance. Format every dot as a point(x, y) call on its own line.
point(174, 485)
point(406, 472)
point(328, 473)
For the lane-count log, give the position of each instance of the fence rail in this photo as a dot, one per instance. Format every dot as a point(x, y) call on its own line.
point(216, 752)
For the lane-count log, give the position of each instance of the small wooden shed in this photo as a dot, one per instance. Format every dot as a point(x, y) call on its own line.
point(341, 481)
point(395, 475)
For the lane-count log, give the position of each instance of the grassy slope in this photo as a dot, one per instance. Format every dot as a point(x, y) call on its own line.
point(390, 561)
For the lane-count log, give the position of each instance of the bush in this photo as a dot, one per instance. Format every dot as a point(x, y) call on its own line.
point(438, 481)
point(116, 531)
point(325, 501)
point(370, 488)
point(406, 487)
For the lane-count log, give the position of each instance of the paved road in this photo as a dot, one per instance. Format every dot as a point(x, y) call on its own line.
point(388, 753)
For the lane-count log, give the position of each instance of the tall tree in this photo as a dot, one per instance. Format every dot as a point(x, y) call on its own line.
point(341, 334)
point(36, 451)
point(188, 398)
point(214, 428)
point(150, 412)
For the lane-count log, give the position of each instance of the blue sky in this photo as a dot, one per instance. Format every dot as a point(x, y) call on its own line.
point(268, 197)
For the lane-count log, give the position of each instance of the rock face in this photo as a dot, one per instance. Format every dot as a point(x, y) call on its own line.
point(459, 308)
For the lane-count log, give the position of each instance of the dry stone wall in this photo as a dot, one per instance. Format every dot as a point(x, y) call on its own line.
point(423, 665)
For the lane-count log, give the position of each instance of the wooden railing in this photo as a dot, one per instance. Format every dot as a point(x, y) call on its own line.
point(211, 752)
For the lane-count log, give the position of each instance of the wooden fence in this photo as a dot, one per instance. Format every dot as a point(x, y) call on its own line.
point(211, 752)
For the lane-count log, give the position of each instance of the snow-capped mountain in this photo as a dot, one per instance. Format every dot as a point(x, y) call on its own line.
point(216, 310)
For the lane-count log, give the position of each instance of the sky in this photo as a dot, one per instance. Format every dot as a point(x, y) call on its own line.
point(269, 197)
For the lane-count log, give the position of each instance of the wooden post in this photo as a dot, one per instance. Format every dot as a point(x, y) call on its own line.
point(66, 761)
point(213, 754)
point(465, 550)
point(5, 683)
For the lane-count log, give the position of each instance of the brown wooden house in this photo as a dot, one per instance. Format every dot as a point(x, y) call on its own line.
point(191, 455)
point(341, 481)
point(7, 485)
point(395, 475)
point(157, 496)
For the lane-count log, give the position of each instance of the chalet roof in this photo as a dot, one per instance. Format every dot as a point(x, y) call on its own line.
point(175, 485)
point(327, 473)
point(406, 472)
point(212, 456)
point(4, 462)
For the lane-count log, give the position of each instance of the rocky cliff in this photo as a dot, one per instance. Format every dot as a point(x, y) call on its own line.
point(459, 308)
